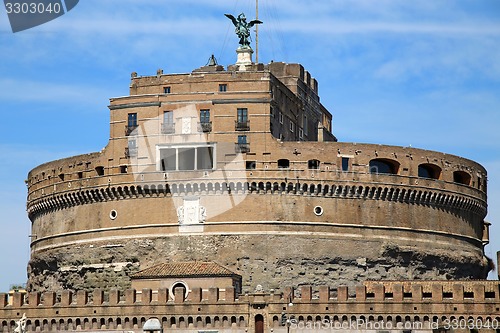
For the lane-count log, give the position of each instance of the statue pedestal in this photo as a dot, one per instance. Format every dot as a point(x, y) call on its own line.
point(244, 58)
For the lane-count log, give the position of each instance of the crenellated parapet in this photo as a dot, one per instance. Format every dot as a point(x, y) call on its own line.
point(392, 301)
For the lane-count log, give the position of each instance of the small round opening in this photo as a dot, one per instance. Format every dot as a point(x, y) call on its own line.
point(113, 214)
point(318, 210)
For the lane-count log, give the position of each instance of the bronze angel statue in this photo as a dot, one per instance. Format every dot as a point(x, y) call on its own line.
point(242, 28)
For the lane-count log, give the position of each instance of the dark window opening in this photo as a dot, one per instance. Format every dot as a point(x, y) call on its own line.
point(80, 175)
point(132, 120)
point(166, 90)
point(489, 294)
point(242, 145)
point(283, 163)
point(223, 87)
point(242, 139)
point(447, 295)
point(250, 165)
point(468, 294)
point(388, 295)
point(384, 166)
point(204, 116)
point(370, 295)
point(313, 164)
point(242, 123)
point(407, 295)
point(427, 295)
point(123, 169)
point(429, 171)
point(345, 163)
point(461, 177)
point(205, 123)
point(131, 123)
point(99, 170)
point(61, 176)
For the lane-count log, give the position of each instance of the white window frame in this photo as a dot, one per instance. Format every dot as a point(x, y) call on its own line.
point(176, 147)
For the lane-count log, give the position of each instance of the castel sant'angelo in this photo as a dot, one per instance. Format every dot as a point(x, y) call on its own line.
point(222, 189)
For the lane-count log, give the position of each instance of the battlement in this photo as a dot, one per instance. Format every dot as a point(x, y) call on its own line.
point(386, 291)
point(406, 300)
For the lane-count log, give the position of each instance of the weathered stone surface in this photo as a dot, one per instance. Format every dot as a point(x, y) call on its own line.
point(269, 260)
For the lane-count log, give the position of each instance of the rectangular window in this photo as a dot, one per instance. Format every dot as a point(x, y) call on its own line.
point(204, 116)
point(166, 90)
point(205, 158)
point(304, 125)
point(301, 134)
point(168, 123)
point(186, 158)
point(168, 158)
point(250, 165)
point(168, 117)
point(292, 126)
point(132, 120)
point(223, 87)
point(131, 148)
point(345, 163)
point(281, 118)
point(242, 115)
point(242, 139)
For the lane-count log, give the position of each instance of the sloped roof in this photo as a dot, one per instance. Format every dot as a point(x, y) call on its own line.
point(184, 269)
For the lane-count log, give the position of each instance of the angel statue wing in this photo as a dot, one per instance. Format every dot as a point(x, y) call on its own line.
point(254, 22)
point(233, 19)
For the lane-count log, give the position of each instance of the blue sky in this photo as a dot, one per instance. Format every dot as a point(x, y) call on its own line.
point(420, 73)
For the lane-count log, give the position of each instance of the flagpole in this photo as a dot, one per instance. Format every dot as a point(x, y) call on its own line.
point(257, 32)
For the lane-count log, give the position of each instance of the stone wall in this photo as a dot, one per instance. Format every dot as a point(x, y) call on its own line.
point(399, 304)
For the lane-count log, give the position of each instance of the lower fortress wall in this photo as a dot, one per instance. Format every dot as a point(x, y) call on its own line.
point(394, 305)
point(307, 260)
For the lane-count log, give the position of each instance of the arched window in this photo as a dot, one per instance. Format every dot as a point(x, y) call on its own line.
point(313, 164)
point(179, 284)
point(283, 163)
point(461, 177)
point(383, 165)
point(428, 170)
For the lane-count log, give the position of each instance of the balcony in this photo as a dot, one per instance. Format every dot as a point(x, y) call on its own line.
point(205, 127)
point(242, 125)
point(130, 130)
point(168, 128)
point(130, 152)
point(242, 148)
